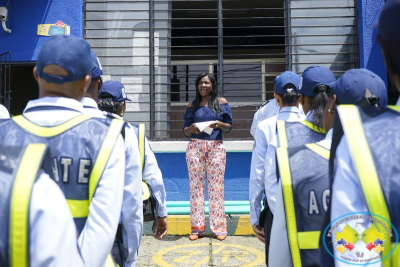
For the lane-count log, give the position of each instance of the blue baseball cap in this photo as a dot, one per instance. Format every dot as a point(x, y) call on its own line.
point(389, 21)
point(351, 87)
point(97, 69)
point(285, 78)
point(116, 89)
point(314, 76)
point(69, 52)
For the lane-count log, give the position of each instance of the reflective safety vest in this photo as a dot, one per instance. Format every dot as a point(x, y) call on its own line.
point(293, 134)
point(374, 144)
point(19, 170)
point(79, 150)
point(305, 185)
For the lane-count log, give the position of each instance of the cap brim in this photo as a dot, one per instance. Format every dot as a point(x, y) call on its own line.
point(128, 99)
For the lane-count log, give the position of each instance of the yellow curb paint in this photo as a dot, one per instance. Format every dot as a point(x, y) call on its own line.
point(244, 226)
point(179, 225)
point(226, 250)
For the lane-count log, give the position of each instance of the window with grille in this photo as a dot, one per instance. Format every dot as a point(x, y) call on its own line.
point(158, 47)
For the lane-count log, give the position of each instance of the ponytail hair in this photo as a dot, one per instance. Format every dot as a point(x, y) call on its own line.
point(319, 102)
point(291, 96)
point(106, 103)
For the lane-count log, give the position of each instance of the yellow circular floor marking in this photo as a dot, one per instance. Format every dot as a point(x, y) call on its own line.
point(197, 254)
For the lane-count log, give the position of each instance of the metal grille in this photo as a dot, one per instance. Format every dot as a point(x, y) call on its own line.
point(156, 48)
point(323, 33)
point(5, 79)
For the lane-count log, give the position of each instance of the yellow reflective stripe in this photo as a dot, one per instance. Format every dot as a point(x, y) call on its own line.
point(20, 202)
point(110, 261)
point(364, 164)
point(78, 208)
point(141, 142)
point(313, 127)
point(282, 134)
point(395, 108)
point(48, 131)
point(284, 170)
point(323, 152)
point(308, 240)
point(104, 154)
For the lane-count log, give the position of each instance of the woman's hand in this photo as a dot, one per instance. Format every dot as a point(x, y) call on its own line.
point(221, 125)
point(194, 129)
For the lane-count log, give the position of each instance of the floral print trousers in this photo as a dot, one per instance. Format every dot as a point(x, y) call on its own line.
point(206, 156)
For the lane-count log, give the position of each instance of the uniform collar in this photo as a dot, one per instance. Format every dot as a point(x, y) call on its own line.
point(292, 109)
point(55, 102)
point(89, 102)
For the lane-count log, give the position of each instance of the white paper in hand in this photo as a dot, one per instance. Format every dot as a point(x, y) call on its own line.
point(204, 126)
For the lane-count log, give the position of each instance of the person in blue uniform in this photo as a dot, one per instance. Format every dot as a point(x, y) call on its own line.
point(206, 156)
point(367, 173)
point(287, 97)
point(36, 227)
point(132, 205)
point(304, 189)
point(112, 99)
point(85, 152)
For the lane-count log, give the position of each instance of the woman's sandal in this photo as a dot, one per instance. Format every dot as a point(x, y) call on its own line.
point(221, 237)
point(193, 237)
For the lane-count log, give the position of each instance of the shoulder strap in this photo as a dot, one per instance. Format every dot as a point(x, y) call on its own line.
point(20, 202)
point(48, 131)
point(141, 139)
point(365, 167)
point(104, 154)
point(281, 128)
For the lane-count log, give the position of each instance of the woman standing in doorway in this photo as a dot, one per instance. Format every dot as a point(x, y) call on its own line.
point(206, 156)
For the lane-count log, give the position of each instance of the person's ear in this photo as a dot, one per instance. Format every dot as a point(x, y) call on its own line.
point(301, 99)
point(332, 104)
point(277, 99)
point(35, 74)
point(100, 83)
point(85, 84)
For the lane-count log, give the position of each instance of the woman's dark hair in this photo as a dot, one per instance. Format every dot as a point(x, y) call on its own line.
point(291, 96)
point(391, 53)
point(106, 103)
point(213, 102)
point(319, 102)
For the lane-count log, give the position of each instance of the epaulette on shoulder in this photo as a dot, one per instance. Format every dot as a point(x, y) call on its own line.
point(266, 102)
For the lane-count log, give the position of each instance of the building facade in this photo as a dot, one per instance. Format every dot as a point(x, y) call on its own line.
point(158, 47)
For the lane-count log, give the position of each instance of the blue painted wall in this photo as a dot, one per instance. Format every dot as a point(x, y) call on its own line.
point(174, 169)
point(24, 17)
point(370, 50)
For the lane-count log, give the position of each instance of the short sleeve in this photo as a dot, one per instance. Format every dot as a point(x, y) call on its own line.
point(227, 115)
point(189, 117)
